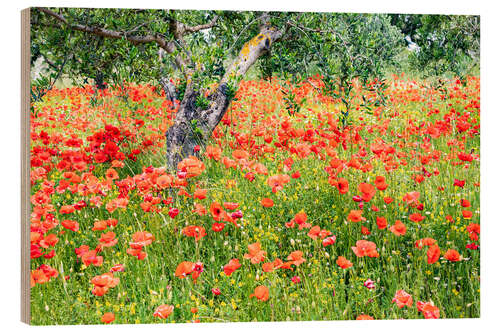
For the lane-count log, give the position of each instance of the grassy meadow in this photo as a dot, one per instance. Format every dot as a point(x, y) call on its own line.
point(282, 216)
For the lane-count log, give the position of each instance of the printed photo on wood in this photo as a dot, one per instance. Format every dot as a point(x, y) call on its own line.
point(184, 166)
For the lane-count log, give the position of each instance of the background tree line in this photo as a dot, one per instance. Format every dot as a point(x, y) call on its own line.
point(209, 52)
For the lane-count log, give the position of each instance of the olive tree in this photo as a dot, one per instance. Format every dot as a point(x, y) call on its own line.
point(447, 43)
point(210, 52)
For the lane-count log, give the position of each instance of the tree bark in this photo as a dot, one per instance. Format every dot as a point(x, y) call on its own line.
point(193, 126)
point(169, 90)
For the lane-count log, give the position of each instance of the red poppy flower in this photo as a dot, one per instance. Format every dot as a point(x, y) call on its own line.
point(266, 202)
point(424, 242)
point(255, 254)
point(108, 317)
point(467, 214)
point(68, 209)
point(163, 311)
point(261, 293)
point(365, 248)
point(200, 193)
point(355, 216)
point(296, 258)
point(452, 255)
point(216, 211)
point(218, 226)
point(71, 225)
point(277, 182)
point(102, 283)
point(194, 231)
point(314, 232)
point(398, 228)
point(381, 222)
point(428, 309)
point(364, 317)
point(402, 299)
point(342, 185)
point(108, 239)
point(343, 262)
point(233, 265)
point(186, 268)
point(416, 217)
point(380, 183)
point(365, 231)
point(411, 198)
point(173, 212)
point(329, 241)
point(367, 190)
point(433, 254)
point(268, 267)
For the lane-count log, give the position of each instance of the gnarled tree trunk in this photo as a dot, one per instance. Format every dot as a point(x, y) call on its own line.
point(194, 126)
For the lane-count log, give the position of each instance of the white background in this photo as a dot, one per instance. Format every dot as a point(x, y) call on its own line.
point(490, 187)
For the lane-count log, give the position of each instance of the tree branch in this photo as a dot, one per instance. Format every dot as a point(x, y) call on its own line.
point(49, 62)
point(101, 31)
point(168, 46)
point(241, 32)
point(249, 54)
point(201, 26)
point(251, 51)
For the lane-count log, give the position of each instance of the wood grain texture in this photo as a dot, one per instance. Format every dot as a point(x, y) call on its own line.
point(25, 166)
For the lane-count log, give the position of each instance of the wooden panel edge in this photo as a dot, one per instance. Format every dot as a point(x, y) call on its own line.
point(25, 166)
